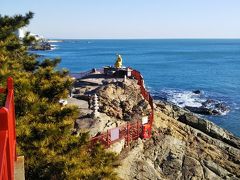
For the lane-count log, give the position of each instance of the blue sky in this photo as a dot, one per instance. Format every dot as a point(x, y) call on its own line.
point(130, 18)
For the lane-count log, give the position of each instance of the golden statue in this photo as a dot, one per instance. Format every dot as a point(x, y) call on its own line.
point(118, 63)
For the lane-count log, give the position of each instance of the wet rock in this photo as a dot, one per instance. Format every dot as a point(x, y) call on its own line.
point(222, 107)
point(197, 92)
point(209, 102)
point(216, 107)
point(201, 110)
point(210, 107)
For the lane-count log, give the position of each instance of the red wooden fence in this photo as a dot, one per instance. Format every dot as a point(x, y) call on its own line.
point(130, 131)
point(147, 128)
point(7, 134)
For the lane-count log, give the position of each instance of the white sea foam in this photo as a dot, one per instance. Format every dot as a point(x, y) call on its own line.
point(54, 41)
point(188, 98)
point(236, 106)
point(53, 48)
point(185, 98)
point(224, 113)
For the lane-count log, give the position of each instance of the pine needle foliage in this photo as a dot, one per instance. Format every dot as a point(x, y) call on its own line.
point(43, 127)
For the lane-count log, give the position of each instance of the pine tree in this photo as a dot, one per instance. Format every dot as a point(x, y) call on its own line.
point(43, 127)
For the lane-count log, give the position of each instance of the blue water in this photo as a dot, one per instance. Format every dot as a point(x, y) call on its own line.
point(213, 66)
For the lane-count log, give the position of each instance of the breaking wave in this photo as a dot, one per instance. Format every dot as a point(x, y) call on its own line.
point(184, 98)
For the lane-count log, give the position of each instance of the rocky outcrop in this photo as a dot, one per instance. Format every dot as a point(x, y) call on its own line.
point(210, 107)
point(42, 45)
point(202, 110)
point(122, 100)
point(118, 102)
point(197, 91)
point(193, 148)
point(199, 123)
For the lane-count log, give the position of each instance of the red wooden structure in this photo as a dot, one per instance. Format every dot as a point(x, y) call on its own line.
point(7, 134)
point(147, 128)
point(130, 131)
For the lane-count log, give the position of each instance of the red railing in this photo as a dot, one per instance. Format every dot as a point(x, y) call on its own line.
point(147, 128)
point(7, 134)
point(129, 131)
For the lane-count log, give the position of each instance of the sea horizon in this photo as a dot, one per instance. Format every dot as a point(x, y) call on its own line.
point(50, 38)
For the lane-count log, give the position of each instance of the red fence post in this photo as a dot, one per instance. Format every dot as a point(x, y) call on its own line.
point(11, 108)
point(10, 83)
point(108, 139)
point(9, 162)
point(7, 124)
point(138, 129)
point(128, 133)
point(3, 161)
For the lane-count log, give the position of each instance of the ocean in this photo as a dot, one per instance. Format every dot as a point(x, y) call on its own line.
point(171, 68)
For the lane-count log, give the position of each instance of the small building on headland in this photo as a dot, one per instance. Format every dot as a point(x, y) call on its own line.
point(22, 32)
point(40, 42)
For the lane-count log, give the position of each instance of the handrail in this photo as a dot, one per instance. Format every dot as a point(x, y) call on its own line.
point(128, 131)
point(145, 94)
point(3, 146)
point(8, 134)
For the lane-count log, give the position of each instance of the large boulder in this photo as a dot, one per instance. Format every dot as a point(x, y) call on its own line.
point(197, 91)
point(122, 100)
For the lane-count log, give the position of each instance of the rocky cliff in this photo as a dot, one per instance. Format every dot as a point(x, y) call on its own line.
point(183, 146)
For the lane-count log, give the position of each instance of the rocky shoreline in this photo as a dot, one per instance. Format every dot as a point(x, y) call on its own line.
point(40, 46)
point(183, 145)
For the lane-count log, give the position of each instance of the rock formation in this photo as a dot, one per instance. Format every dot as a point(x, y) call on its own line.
point(122, 100)
point(118, 102)
point(40, 45)
point(210, 107)
point(183, 146)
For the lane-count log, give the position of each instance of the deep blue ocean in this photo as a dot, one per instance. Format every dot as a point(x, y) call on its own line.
point(172, 69)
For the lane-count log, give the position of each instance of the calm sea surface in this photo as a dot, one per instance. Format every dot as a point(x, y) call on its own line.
point(171, 68)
